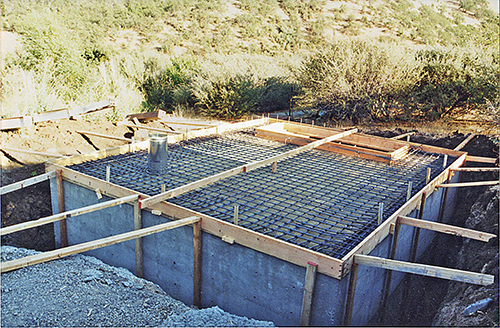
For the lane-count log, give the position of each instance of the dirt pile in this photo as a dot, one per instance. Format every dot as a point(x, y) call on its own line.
point(479, 257)
point(82, 291)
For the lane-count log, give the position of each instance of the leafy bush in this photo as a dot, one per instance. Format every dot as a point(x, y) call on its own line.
point(166, 88)
point(355, 79)
point(227, 99)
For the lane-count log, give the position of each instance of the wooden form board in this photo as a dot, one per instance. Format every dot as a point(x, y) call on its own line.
point(64, 215)
point(379, 234)
point(445, 228)
point(28, 182)
point(99, 243)
point(268, 245)
point(425, 270)
point(304, 134)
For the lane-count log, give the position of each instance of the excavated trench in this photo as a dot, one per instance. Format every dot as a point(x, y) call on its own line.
point(427, 296)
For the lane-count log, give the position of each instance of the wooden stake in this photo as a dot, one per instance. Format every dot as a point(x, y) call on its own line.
point(235, 218)
point(444, 199)
point(388, 280)
point(108, 173)
point(445, 160)
point(99, 243)
point(380, 212)
point(197, 264)
point(60, 204)
point(408, 192)
point(414, 248)
point(308, 293)
point(163, 188)
point(139, 262)
point(350, 294)
point(275, 167)
point(428, 177)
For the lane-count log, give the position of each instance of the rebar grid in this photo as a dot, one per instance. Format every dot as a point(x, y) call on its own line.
point(188, 161)
point(319, 200)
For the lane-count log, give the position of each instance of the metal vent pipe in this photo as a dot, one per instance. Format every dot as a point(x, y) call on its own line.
point(157, 155)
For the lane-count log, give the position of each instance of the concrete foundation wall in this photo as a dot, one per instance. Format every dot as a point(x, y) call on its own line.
point(237, 279)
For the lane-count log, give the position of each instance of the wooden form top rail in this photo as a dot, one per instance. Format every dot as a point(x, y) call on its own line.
point(243, 168)
point(28, 182)
point(468, 184)
point(445, 228)
point(67, 214)
point(95, 134)
point(425, 270)
point(99, 243)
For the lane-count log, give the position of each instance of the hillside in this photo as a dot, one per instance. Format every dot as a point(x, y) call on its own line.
point(230, 58)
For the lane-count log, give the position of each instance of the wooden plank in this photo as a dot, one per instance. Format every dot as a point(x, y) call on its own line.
point(308, 293)
point(327, 265)
point(63, 231)
point(139, 262)
point(468, 184)
point(332, 147)
point(27, 182)
point(445, 228)
point(425, 270)
point(103, 104)
point(401, 136)
point(351, 292)
point(148, 116)
point(197, 264)
point(99, 243)
point(32, 152)
point(135, 126)
point(486, 160)
point(51, 115)
point(15, 122)
point(186, 123)
point(379, 234)
point(465, 142)
point(476, 169)
point(67, 214)
point(243, 168)
point(90, 133)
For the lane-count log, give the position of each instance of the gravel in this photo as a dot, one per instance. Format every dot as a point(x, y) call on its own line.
point(82, 291)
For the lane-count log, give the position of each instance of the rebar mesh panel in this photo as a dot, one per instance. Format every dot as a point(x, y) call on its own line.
point(319, 200)
point(187, 161)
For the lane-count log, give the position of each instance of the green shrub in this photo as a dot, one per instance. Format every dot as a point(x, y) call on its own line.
point(231, 98)
point(168, 87)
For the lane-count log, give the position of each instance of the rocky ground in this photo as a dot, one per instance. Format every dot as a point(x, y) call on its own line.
point(82, 291)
